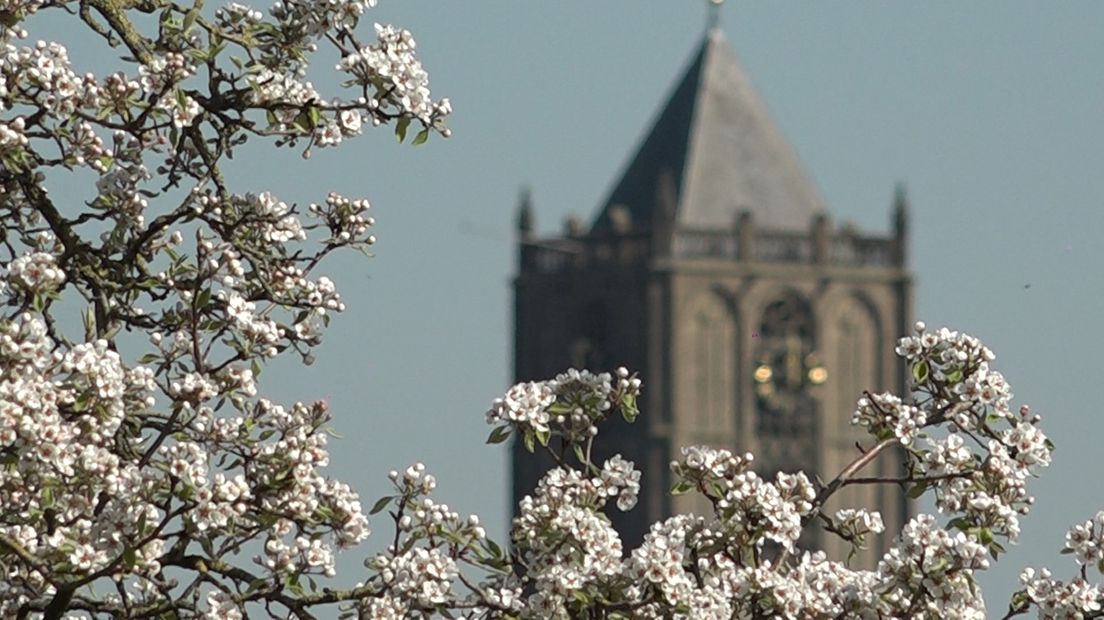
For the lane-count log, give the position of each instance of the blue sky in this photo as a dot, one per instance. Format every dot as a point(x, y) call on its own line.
point(990, 111)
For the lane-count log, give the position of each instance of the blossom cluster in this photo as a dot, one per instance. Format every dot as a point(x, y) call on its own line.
point(144, 479)
point(391, 81)
point(856, 523)
point(688, 568)
point(886, 415)
point(391, 59)
point(1086, 541)
point(745, 558)
point(954, 367)
point(1057, 600)
point(525, 405)
point(979, 470)
point(1077, 598)
point(560, 533)
point(71, 500)
point(749, 509)
point(33, 273)
point(569, 406)
point(418, 571)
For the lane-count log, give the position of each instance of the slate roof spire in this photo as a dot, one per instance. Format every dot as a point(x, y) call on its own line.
point(716, 142)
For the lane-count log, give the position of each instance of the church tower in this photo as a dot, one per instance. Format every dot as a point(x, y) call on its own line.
point(714, 270)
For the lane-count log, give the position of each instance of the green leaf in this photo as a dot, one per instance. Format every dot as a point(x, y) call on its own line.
point(560, 407)
point(189, 19)
point(579, 454)
point(380, 504)
point(89, 321)
point(208, 548)
point(629, 410)
point(495, 550)
point(959, 523)
point(529, 440)
point(681, 487)
point(302, 123)
point(918, 490)
point(82, 402)
point(995, 549)
point(499, 435)
point(543, 437)
point(920, 371)
point(1020, 599)
point(294, 587)
point(985, 535)
point(422, 136)
point(400, 128)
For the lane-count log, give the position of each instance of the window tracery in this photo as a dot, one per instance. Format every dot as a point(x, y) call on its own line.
point(786, 368)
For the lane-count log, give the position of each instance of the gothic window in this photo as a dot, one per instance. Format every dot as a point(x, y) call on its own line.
point(853, 366)
point(786, 368)
point(854, 348)
point(706, 378)
point(710, 367)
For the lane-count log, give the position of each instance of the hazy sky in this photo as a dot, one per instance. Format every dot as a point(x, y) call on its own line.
point(991, 112)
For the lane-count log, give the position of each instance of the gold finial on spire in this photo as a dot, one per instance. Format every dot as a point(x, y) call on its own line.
point(715, 14)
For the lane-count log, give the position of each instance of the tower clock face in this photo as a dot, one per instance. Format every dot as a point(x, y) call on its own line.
point(786, 369)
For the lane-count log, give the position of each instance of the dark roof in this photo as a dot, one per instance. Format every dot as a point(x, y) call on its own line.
point(715, 146)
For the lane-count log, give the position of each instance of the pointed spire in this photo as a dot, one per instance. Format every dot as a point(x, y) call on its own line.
point(714, 22)
point(525, 217)
point(821, 234)
point(900, 221)
point(900, 208)
point(900, 197)
point(723, 153)
point(574, 227)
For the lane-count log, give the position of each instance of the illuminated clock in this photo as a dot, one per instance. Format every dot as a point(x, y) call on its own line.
point(787, 369)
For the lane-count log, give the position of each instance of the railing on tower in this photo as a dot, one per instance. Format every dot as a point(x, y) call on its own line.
point(842, 248)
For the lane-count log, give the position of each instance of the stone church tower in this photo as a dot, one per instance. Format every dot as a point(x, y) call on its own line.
point(714, 270)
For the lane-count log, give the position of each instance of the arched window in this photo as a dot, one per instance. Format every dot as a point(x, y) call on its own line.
point(711, 365)
point(705, 379)
point(785, 368)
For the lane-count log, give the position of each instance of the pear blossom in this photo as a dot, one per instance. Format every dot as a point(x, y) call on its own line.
point(145, 472)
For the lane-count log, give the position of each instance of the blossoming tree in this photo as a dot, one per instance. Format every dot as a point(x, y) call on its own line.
point(143, 475)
